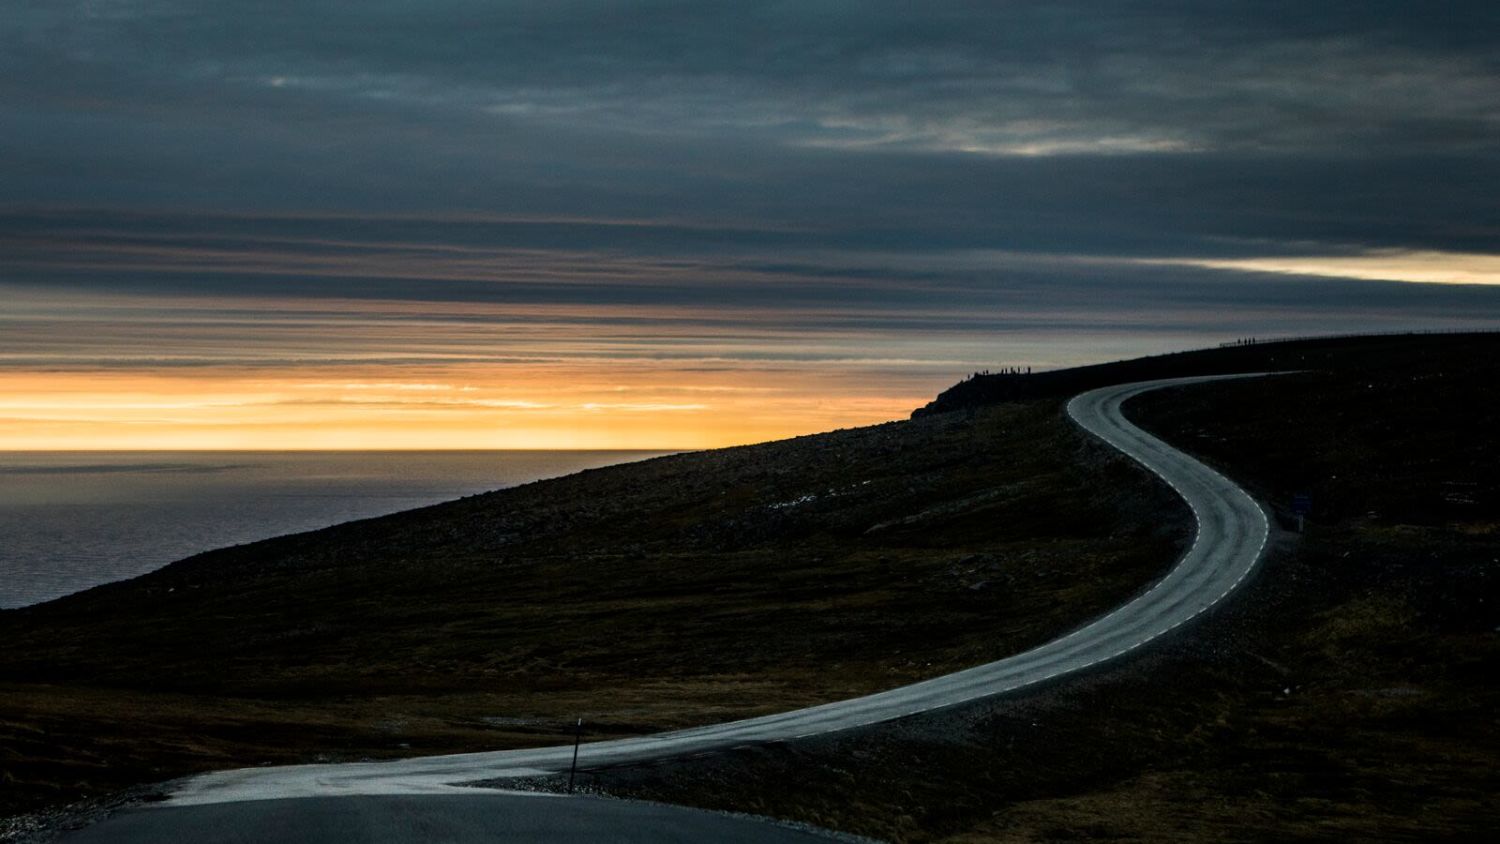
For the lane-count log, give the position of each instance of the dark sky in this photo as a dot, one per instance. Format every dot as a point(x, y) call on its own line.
point(836, 202)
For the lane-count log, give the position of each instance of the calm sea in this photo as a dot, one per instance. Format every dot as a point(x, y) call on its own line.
point(69, 521)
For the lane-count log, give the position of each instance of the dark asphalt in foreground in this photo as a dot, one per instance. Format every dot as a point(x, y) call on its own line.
point(433, 818)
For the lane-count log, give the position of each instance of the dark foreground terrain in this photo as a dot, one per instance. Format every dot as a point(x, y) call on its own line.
point(683, 590)
point(1348, 692)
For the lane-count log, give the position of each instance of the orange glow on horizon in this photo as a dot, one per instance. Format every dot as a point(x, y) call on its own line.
point(436, 408)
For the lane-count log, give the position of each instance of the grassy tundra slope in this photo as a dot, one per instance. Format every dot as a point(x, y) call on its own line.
point(676, 591)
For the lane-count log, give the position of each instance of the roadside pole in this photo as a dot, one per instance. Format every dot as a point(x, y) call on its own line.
point(577, 739)
point(1301, 507)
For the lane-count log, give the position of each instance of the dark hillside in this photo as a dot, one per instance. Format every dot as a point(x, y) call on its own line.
point(681, 590)
point(1348, 693)
point(1374, 352)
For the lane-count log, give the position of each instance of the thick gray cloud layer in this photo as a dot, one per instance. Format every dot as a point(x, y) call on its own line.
point(666, 95)
point(806, 157)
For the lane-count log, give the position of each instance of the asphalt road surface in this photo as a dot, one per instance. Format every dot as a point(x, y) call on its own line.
point(1230, 538)
point(470, 817)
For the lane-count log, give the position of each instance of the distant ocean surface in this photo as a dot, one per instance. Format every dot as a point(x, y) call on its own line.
point(73, 520)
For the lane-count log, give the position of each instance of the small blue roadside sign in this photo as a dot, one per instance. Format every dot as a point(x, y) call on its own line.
point(1301, 507)
point(1302, 504)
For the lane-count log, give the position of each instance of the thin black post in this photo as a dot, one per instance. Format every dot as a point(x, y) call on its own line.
point(577, 738)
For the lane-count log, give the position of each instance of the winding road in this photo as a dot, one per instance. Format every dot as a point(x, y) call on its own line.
point(1230, 538)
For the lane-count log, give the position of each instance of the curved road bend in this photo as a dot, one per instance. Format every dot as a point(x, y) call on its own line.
point(1231, 534)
